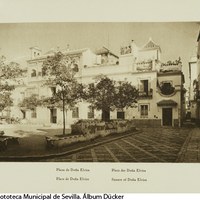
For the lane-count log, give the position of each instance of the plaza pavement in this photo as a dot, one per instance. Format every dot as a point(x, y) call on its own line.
point(191, 150)
point(149, 145)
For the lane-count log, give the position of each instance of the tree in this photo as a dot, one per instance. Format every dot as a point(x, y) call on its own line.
point(107, 95)
point(125, 95)
point(31, 102)
point(9, 71)
point(5, 100)
point(5, 94)
point(101, 96)
point(61, 75)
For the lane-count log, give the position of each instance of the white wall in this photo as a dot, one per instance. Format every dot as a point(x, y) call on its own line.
point(149, 54)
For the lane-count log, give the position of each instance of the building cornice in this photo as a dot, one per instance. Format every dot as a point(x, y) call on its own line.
point(170, 73)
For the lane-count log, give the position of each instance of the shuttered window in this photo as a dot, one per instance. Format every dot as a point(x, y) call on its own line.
point(75, 112)
point(144, 111)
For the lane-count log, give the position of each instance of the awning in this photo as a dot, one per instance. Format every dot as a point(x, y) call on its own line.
point(166, 103)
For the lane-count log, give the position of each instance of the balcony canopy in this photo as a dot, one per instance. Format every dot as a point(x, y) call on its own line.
point(166, 103)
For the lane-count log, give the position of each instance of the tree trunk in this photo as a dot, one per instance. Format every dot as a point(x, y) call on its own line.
point(63, 117)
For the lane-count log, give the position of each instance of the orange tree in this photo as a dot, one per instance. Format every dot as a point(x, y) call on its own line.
point(61, 75)
point(125, 95)
point(107, 95)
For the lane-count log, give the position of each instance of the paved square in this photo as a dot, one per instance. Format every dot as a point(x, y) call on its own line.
point(150, 145)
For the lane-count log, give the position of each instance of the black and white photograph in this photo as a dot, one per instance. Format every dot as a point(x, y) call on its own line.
point(100, 92)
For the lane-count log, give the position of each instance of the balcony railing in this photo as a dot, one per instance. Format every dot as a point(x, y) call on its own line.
point(144, 66)
point(146, 94)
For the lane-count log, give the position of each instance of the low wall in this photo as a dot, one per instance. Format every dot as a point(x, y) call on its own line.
point(88, 132)
point(5, 141)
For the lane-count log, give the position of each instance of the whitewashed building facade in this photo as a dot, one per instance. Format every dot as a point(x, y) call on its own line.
point(161, 91)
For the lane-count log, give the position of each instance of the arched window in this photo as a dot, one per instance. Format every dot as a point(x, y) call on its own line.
point(33, 73)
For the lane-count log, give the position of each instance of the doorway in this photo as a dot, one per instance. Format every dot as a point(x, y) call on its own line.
point(105, 115)
point(167, 116)
point(53, 115)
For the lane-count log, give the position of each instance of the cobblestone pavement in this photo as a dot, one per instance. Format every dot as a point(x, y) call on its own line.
point(191, 150)
point(151, 145)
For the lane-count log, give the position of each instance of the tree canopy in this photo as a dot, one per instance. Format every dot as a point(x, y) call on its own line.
point(106, 95)
point(31, 102)
point(9, 71)
point(61, 75)
point(101, 94)
point(5, 100)
point(125, 95)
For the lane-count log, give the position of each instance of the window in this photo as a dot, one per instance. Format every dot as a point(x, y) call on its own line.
point(31, 91)
point(33, 73)
point(75, 112)
point(120, 115)
point(144, 87)
point(167, 88)
point(53, 115)
point(91, 113)
point(53, 90)
point(92, 88)
point(75, 68)
point(34, 113)
point(144, 111)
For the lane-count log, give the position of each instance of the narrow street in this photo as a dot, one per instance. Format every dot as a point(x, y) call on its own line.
point(151, 145)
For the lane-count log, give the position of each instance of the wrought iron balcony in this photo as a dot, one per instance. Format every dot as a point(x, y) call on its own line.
point(146, 94)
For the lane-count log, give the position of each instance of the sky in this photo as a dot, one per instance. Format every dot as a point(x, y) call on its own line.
point(175, 39)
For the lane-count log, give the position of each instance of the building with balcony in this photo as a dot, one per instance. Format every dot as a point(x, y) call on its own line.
point(161, 91)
